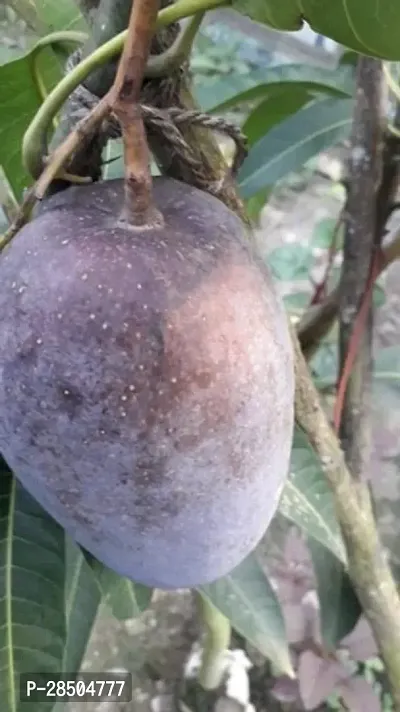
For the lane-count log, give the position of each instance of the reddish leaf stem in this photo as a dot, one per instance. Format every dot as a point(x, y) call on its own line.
point(354, 342)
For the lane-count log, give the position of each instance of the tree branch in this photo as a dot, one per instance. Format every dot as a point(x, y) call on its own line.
point(367, 564)
point(367, 209)
point(361, 248)
point(317, 321)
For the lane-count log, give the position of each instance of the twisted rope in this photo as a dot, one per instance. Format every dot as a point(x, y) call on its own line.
point(165, 121)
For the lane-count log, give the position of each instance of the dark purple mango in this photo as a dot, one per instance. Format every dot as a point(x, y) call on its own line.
point(146, 381)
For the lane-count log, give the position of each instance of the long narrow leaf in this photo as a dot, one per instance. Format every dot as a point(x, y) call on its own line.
point(340, 608)
point(307, 500)
point(290, 144)
point(32, 569)
point(248, 600)
point(82, 602)
point(228, 92)
point(279, 102)
point(367, 26)
point(126, 598)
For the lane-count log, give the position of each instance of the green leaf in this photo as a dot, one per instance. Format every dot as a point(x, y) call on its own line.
point(279, 102)
point(19, 101)
point(51, 15)
point(236, 89)
point(82, 601)
point(293, 142)
point(349, 58)
point(307, 500)
point(340, 608)
point(366, 26)
point(113, 161)
point(256, 203)
point(32, 576)
point(113, 157)
point(126, 598)
point(282, 15)
point(290, 262)
point(248, 600)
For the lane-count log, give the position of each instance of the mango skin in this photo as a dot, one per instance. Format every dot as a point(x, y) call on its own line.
point(146, 381)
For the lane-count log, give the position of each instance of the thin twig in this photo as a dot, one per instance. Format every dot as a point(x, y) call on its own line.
point(318, 320)
point(320, 287)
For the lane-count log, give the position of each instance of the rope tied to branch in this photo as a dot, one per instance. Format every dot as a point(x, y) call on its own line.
point(163, 122)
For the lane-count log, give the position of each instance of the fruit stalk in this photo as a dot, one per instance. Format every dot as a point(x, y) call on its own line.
point(138, 207)
point(218, 634)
